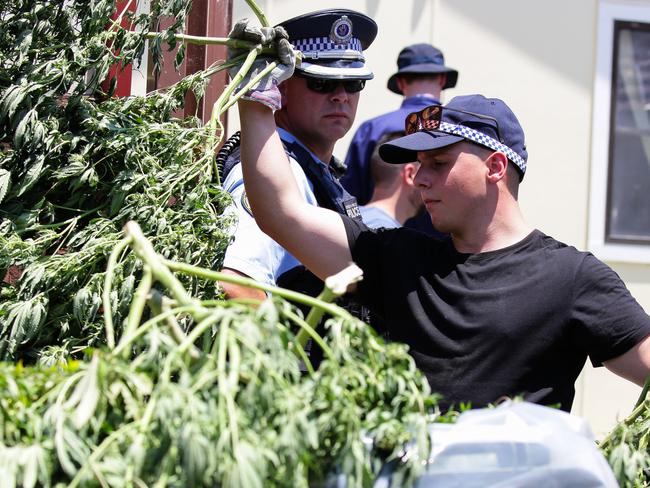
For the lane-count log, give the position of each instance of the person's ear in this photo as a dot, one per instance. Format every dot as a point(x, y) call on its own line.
point(497, 165)
point(401, 83)
point(408, 173)
point(442, 80)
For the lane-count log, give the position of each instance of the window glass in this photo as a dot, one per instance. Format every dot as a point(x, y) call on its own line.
point(628, 198)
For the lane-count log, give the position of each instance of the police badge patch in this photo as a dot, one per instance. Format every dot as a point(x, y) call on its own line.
point(245, 204)
point(341, 31)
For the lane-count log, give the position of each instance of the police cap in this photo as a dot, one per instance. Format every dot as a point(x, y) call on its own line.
point(332, 42)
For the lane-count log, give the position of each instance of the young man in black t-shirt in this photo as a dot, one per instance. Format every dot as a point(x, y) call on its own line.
point(499, 308)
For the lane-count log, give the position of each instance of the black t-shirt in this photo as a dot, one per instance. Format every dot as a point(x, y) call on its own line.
point(517, 321)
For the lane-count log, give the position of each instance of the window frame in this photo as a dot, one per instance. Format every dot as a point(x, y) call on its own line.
point(608, 250)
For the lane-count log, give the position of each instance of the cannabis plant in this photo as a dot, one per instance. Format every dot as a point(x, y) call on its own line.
point(77, 164)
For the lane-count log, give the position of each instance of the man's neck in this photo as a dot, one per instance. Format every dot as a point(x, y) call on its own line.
point(505, 228)
point(323, 150)
point(427, 88)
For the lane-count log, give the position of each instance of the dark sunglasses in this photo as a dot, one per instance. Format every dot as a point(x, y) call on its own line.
point(430, 117)
point(321, 85)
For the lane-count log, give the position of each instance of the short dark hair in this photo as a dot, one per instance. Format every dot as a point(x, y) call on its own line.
point(381, 171)
point(411, 77)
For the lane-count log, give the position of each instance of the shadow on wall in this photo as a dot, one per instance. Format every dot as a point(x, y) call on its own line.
point(372, 6)
point(554, 32)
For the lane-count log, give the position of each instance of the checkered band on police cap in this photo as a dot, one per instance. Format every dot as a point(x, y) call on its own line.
point(325, 44)
point(484, 140)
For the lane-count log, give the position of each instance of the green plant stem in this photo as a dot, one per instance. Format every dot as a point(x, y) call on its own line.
point(207, 41)
point(106, 292)
point(258, 13)
point(315, 314)
point(128, 340)
point(256, 79)
point(145, 251)
point(294, 296)
point(199, 329)
point(125, 8)
point(137, 305)
point(158, 305)
point(64, 222)
point(215, 125)
point(225, 389)
point(638, 410)
point(99, 451)
point(296, 347)
point(308, 331)
point(236, 80)
point(644, 392)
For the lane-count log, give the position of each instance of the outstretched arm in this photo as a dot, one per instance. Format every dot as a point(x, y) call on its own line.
point(314, 235)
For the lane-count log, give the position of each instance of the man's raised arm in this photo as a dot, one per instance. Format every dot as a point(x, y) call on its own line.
point(314, 235)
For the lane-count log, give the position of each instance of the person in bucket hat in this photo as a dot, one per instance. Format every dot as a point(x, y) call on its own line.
point(421, 76)
point(496, 309)
point(418, 60)
point(313, 109)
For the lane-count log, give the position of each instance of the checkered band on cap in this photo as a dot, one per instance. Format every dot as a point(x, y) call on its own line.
point(324, 44)
point(482, 139)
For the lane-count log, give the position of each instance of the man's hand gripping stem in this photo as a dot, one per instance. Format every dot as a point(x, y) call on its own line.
point(260, 81)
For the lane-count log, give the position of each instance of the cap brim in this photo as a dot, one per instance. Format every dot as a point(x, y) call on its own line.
point(405, 149)
point(336, 70)
point(424, 69)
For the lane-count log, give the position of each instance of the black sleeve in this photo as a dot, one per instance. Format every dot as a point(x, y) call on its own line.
point(610, 320)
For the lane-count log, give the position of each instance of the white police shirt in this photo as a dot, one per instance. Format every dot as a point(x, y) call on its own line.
point(252, 252)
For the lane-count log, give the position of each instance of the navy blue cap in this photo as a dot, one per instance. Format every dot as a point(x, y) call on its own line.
point(456, 126)
point(332, 42)
point(422, 59)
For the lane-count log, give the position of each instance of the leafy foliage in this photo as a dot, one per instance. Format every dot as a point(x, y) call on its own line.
point(626, 447)
point(76, 165)
point(237, 412)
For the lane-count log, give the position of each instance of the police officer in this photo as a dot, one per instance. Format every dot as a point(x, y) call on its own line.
point(319, 103)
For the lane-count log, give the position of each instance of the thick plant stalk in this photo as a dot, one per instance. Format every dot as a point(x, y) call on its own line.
point(145, 251)
point(137, 305)
point(215, 126)
point(207, 41)
point(258, 13)
point(106, 293)
point(638, 411)
point(161, 270)
point(644, 392)
point(256, 79)
point(160, 305)
point(163, 316)
point(335, 286)
point(293, 296)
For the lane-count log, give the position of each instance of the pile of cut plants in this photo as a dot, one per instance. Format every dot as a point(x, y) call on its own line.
point(121, 363)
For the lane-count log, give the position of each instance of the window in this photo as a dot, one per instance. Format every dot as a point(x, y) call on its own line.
point(619, 227)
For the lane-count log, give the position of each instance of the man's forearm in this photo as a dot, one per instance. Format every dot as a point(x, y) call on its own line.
point(270, 185)
point(314, 235)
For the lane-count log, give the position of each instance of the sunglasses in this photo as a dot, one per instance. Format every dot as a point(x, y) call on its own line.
point(430, 117)
point(321, 85)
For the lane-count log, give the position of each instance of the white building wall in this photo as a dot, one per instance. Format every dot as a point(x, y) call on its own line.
point(539, 57)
